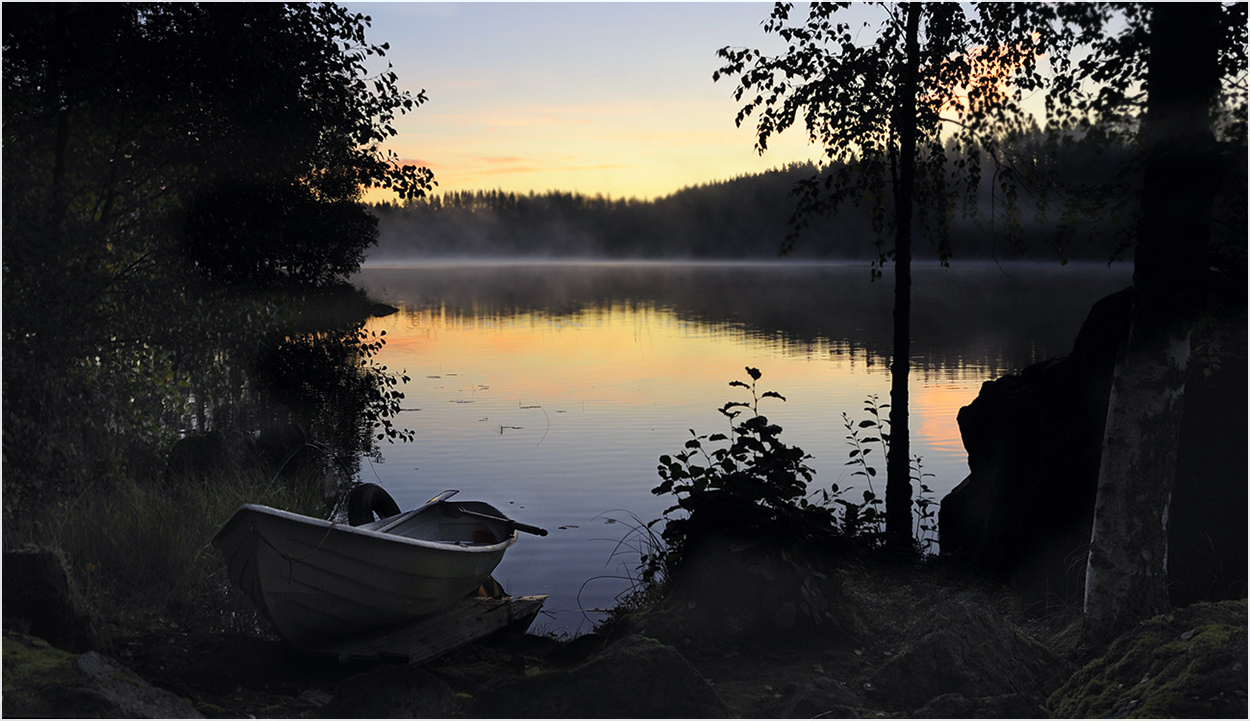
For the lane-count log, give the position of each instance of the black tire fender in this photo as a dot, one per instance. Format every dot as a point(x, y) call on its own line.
point(365, 500)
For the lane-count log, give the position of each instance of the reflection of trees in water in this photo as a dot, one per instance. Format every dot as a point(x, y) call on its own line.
point(304, 396)
point(970, 316)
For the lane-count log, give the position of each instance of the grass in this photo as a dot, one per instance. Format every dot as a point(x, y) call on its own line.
point(141, 552)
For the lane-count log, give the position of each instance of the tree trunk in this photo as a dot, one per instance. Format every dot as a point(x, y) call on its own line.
point(898, 521)
point(1126, 573)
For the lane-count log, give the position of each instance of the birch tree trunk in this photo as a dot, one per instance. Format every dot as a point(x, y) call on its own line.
point(898, 464)
point(1126, 575)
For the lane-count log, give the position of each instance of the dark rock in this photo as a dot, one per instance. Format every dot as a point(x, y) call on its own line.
point(1190, 663)
point(1207, 531)
point(965, 647)
point(41, 681)
point(392, 692)
point(39, 593)
point(636, 677)
point(1024, 513)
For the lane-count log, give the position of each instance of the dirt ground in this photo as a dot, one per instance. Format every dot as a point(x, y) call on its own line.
point(918, 641)
point(234, 675)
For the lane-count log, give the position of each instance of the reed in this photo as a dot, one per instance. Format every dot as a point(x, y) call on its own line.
point(142, 553)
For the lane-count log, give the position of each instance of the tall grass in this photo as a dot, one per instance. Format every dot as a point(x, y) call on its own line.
point(142, 553)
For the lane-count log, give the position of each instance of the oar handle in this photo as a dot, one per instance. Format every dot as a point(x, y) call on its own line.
point(497, 519)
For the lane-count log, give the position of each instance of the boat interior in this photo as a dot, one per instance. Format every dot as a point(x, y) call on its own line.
point(441, 523)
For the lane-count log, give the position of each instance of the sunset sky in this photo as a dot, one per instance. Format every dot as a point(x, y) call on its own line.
point(600, 98)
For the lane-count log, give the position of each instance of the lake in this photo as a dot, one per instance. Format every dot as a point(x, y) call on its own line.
point(551, 389)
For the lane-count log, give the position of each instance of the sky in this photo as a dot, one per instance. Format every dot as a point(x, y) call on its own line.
point(614, 99)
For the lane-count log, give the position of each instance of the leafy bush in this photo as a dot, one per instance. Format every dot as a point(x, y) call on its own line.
point(755, 485)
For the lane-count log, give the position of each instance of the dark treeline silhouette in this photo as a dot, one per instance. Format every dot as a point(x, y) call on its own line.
point(742, 217)
point(750, 217)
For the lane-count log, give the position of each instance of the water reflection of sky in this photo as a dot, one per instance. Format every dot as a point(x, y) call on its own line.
point(551, 392)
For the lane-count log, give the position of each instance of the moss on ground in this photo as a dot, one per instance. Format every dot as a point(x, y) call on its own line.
point(33, 671)
point(1187, 664)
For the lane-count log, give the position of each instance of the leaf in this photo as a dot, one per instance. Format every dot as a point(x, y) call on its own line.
point(772, 394)
point(754, 373)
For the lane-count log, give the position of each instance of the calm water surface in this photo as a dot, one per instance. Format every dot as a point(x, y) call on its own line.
point(550, 390)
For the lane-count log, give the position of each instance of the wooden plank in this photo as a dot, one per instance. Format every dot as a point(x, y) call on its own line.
point(470, 620)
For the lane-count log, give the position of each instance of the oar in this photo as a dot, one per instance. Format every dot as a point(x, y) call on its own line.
point(455, 511)
point(396, 520)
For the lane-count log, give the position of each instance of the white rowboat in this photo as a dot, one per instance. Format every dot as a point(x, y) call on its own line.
point(319, 581)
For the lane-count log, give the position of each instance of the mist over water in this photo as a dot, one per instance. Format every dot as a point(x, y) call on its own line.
point(975, 312)
point(551, 389)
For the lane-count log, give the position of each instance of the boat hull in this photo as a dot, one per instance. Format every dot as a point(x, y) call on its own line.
point(318, 581)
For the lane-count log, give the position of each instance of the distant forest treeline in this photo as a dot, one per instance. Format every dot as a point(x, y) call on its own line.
point(743, 217)
point(749, 217)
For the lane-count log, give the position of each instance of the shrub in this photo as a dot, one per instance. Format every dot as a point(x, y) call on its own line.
point(756, 485)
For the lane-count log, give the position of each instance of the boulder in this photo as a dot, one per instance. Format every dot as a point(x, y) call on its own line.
point(965, 649)
point(40, 597)
point(1207, 550)
point(1024, 513)
point(1190, 663)
point(42, 681)
point(635, 677)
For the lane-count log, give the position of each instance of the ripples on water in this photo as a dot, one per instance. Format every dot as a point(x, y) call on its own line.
point(551, 389)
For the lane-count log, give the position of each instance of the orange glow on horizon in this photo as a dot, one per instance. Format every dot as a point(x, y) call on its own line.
point(643, 151)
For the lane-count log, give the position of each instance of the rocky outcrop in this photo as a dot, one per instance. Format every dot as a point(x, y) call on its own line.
point(40, 598)
point(636, 677)
point(45, 682)
point(1190, 663)
point(1023, 515)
